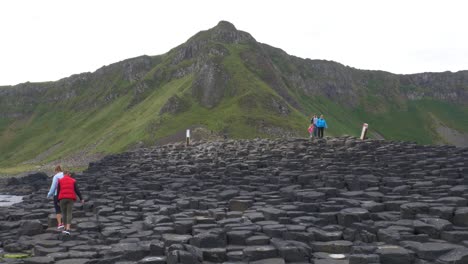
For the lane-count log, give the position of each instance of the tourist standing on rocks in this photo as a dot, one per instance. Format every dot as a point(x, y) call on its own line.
point(311, 130)
point(67, 189)
point(314, 122)
point(53, 192)
point(321, 125)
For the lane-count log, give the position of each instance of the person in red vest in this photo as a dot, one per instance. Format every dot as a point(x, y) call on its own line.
point(67, 190)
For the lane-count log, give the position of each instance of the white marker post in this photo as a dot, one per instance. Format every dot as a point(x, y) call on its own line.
point(187, 142)
point(364, 131)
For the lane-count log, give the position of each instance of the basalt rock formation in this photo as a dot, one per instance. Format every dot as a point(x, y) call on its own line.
point(339, 201)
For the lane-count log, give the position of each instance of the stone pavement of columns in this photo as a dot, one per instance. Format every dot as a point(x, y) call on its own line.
point(334, 201)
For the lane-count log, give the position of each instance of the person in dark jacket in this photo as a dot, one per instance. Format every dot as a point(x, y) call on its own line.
point(321, 125)
point(67, 190)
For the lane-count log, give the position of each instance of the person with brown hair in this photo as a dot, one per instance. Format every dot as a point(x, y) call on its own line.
point(53, 192)
point(67, 189)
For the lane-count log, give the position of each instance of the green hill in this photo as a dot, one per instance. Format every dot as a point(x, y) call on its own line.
point(221, 82)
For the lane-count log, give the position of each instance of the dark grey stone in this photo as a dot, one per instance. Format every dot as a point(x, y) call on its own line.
point(253, 253)
point(42, 251)
point(240, 204)
point(292, 251)
point(335, 247)
point(88, 226)
point(394, 254)
point(170, 239)
point(364, 258)
point(228, 194)
point(269, 261)
point(410, 210)
point(461, 216)
point(215, 254)
point(156, 248)
point(31, 228)
point(129, 251)
point(38, 260)
point(457, 256)
point(257, 240)
point(348, 216)
point(74, 261)
point(209, 240)
point(238, 237)
point(153, 260)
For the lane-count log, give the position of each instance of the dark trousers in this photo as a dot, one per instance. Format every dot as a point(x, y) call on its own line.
point(66, 205)
point(320, 132)
point(57, 205)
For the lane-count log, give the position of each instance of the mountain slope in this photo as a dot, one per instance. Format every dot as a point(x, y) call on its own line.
point(221, 82)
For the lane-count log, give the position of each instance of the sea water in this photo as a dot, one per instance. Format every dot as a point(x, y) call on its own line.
point(7, 200)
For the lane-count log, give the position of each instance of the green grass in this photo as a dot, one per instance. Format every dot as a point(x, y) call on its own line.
point(114, 126)
point(449, 114)
point(15, 169)
point(415, 123)
point(411, 124)
point(16, 256)
point(132, 127)
point(339, 120)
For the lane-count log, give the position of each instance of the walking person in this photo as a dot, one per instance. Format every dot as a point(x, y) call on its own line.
point(67, 189)
point(321, 126)
point(53, 193)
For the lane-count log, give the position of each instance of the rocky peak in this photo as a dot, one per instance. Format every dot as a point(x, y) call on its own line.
point(225, 25)
point(211, 42)
point(206, 50)
point(226, 32)
point(130, 69)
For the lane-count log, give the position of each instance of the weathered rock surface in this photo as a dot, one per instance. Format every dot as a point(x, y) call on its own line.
point(338, 200)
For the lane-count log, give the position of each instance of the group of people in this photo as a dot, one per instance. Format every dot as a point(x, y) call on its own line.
point(317, 126)
point(64, 190)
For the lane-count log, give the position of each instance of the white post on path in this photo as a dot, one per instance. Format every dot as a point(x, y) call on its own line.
point(365, 126)
point(187, 142)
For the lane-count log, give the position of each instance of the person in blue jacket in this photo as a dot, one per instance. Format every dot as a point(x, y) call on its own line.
point(53, 193)
point(321, 125)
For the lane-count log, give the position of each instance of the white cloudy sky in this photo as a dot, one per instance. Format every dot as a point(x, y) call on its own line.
point(47, 40)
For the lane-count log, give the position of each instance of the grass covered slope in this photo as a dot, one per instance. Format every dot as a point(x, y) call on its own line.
point(223, 81)
point(111, 128)
point(121, 123)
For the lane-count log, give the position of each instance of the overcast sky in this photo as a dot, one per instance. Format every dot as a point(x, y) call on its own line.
point(49, 40)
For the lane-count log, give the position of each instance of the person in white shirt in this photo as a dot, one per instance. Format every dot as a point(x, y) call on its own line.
point(314, 122)
point(53, 193)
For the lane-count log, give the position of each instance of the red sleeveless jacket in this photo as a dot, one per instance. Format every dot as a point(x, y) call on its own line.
point(67, 188)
